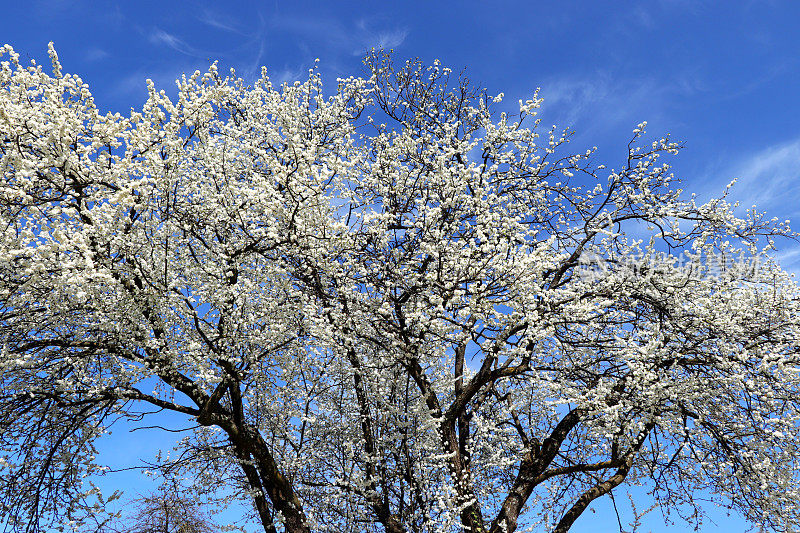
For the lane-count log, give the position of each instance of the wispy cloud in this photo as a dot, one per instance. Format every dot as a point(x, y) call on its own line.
point(789, 259)
point(96, 54)
point(643, 17)
point(392, 39)
point(287, 75)
point(134, 84)
point(601, 101)
point(251, 41)
point(607, 102)
point(159, 36)
point(770, 178)
point(368, 36)
point(311, 34)
point(353, 38)
point(572, 97)
point(53, 9)
point(220, 21)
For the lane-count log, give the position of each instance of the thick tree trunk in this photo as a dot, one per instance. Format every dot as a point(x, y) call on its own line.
point(531, 468)
point(264, 475)
point(278, 488)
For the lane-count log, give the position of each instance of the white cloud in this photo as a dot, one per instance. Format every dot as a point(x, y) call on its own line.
point(309, 33)
point(769, 178)
point(163, 78)
point(572, 97)
point(599, 103)
point(219, 21)
point(96, 54)
point(287, 75)
point(159, 36)
point(368, 37)
point(392, 39)
point(789, 259)
point(355, 39)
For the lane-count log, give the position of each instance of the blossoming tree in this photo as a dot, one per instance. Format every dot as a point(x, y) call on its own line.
point(163, 511)
point(389, 309)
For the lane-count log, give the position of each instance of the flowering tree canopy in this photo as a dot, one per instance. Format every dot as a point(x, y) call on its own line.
point(164, 511)
point(391, 308)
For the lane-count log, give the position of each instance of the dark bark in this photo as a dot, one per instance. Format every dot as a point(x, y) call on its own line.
point(603, 487)
point(380, 506)
point(531, 471)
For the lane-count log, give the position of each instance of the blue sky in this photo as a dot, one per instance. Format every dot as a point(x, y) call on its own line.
point(724, 77)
